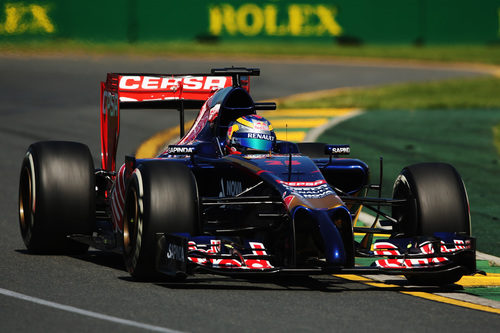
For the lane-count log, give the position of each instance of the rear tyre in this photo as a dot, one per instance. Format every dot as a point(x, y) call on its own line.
point(437, 202)
point(161, 197)
point(56, 196)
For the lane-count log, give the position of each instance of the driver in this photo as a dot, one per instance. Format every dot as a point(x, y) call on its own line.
point(251, 134)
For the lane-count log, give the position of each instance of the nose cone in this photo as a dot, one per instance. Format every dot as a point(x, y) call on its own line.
point(333, 244)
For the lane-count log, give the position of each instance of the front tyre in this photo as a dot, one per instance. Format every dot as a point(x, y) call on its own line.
point(436, 202)
point(161, 197)
point(56, 196)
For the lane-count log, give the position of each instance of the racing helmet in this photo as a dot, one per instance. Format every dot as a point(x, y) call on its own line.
point(250, 133)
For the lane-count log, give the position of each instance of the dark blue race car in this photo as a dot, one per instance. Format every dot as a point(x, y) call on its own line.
point(229, 198)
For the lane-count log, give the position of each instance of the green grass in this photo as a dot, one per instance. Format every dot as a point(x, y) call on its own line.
point(492, 293)
point(482, 93)
point(463, 138)
point(461, 53)
point(488, 267)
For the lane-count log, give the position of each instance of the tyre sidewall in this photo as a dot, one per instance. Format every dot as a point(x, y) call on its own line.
point(437, 200)
point(62, 175)
point(167, 203)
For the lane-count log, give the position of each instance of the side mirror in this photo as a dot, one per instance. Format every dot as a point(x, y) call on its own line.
point(207, 149)
point(286, 147)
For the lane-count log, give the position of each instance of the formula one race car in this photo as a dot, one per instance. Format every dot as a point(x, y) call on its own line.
point(230, 199)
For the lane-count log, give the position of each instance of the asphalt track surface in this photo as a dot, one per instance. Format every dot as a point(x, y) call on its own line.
point(58, 98)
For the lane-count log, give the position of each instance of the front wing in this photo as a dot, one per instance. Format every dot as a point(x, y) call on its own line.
point(180, 254)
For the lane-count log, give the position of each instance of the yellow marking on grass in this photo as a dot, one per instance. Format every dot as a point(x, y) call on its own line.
point(495, 71)
point(490, 280)
point(298, 122)
point(296, 136)
point(355, 220)
point(326, 112)
point(152, 146)
point(287, 118)
point(374, 235)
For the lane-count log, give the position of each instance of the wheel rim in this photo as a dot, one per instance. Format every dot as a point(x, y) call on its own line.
point(406, 214)
point(402, 191)
point(25, 200)
point(130, 221)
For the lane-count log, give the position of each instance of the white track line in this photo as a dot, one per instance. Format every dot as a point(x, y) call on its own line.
point(85, 312)
point(488, 257)
point(471, 299)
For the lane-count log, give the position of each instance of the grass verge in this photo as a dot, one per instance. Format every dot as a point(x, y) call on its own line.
point(472, 93)
point(456, 53)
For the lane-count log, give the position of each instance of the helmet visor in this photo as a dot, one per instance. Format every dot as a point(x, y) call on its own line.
point(257, 144)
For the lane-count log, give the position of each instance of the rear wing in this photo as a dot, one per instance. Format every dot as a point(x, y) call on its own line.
point(158, 91)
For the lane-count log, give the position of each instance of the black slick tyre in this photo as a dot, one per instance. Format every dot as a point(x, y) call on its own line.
point(161, 197)
point(56, 196)
point(437, 202)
